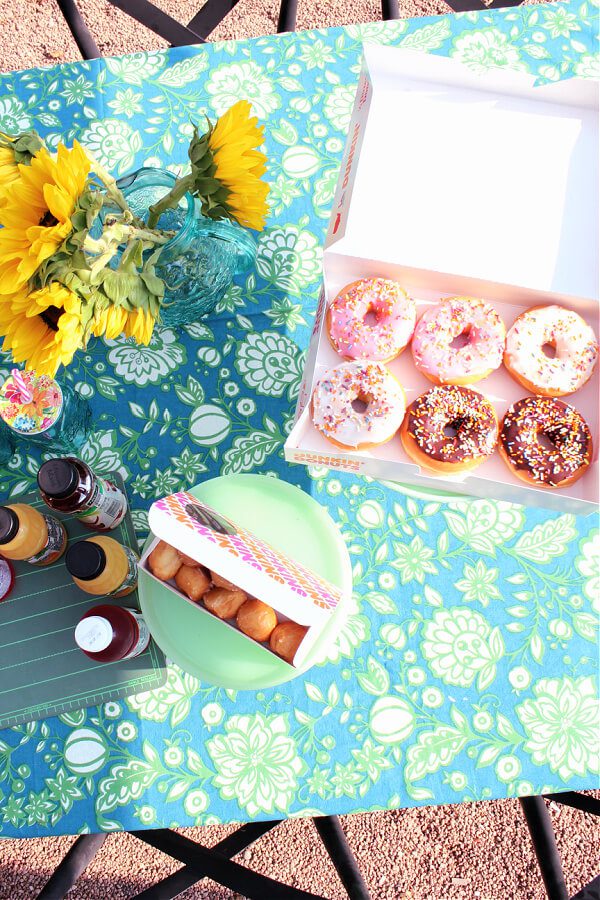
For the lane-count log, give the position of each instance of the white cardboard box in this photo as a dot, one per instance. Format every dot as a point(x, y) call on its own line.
point(458, 183)
point(294, 592)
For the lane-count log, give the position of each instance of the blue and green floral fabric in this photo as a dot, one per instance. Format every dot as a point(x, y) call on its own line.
point(467, 668)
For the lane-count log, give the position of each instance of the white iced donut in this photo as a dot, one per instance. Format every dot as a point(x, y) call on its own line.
point(358, 405)
point(570, 337)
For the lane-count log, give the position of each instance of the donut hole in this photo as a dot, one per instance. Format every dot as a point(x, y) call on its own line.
point(371, 318)
point(547, 440)
point(360, 404)
point(549, 349)
point(461, 340)
point(451, 429)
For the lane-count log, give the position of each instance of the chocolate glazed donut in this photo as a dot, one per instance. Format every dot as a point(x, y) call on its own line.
point(450, 428)
point(545, 442)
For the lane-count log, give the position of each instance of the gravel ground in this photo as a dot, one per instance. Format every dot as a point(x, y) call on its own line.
point(478, 851)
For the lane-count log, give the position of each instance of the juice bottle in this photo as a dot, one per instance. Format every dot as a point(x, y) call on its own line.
point(109, 633)
point(7, 578)
point(31, 536)
point(102, 566)
point(68, 485)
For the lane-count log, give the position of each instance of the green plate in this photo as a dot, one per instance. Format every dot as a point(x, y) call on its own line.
point(289, 520)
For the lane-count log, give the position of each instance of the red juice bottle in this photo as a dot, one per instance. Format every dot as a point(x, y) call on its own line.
point(109, 633)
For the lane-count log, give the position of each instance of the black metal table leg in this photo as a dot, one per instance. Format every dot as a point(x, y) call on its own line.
point(575, 800)
point(389, 9)
point(544, 844)
point(156, 20)
point(332, 835)
point(84, 40)
point(214, 865)
point(185, 877)
point(287, 16)
point(77, 859)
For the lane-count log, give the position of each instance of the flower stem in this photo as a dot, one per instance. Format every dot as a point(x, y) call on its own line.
point(112, 190)
point(170, 200)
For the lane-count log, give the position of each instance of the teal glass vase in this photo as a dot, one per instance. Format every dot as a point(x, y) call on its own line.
point(200, 261)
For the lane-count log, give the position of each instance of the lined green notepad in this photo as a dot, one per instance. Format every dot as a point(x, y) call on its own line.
point(42, 671)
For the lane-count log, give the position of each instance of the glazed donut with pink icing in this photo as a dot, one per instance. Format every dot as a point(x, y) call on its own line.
point(393, 312)
point(572, 340)
point(358, 405)
point(474, 322)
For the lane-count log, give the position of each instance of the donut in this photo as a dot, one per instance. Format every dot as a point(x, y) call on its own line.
point(545, 442)
point(192, 581)
point(455, 318)
point(393, 312)
point(164, 562)
point(286, 638)
point(570, 337)
point(224, 603)
point(219, 581)
point(256, 619)
point(358, 405)
point(466, 414)
point(188, 560)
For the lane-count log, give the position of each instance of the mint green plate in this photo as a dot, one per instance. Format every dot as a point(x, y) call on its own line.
point(289, 520)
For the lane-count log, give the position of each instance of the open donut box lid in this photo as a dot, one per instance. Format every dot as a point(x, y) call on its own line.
point(459, 183)
point(253, 565)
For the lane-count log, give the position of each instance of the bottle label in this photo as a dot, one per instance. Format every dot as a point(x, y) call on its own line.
point(57, 537)
point(143, 637)
point(106, 507)
point(129, 583)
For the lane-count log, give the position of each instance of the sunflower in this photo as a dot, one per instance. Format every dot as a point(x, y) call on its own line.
point(239, 166)
point(43, 329)
point(226, 171)
point(36, 212)
point(15, 149)
point(9, 171)
point(110, 322)
point(140, 325)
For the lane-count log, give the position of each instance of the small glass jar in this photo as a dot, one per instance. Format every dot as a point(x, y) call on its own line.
point(8, 444)
point(38, 410)
point(199, 263)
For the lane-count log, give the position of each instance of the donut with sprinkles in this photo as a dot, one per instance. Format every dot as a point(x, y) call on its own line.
point(551, 351)
point(545, 442)
point(474, 322)
point(358, 405)
point(373, 318)
point(450, 429)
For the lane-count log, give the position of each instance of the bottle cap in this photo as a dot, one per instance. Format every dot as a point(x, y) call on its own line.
point(57, 478)
point(9, 524)
point(7, 578)
point(85, 560)
point(94, 633)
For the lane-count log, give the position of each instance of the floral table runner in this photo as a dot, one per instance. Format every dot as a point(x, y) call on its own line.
point(467, 668)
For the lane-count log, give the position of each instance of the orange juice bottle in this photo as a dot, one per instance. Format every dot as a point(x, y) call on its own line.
point(31, 536)
point(102, 566)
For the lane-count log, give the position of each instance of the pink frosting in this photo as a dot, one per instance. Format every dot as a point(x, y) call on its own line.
point(394, 320)
point(437, 328)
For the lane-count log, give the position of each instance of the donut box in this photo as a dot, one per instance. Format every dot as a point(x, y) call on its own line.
point(254, 566)
point(438, 191)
